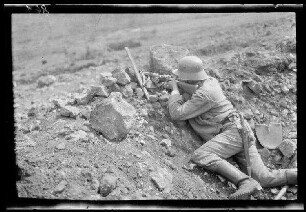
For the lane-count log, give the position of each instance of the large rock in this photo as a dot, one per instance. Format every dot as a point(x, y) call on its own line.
point(287, 147)
point(164, 58)
point(113, 117)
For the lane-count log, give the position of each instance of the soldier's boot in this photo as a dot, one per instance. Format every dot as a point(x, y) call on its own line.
point(291, 175)
point(246, 185)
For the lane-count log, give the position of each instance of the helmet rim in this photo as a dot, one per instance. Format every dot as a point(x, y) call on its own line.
point(190, 68)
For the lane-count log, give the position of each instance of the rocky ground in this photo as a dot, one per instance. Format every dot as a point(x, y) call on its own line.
point(84, 129)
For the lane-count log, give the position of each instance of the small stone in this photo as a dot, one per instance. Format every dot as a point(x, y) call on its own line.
point(287, 147)
point(61, 146)
point(150, 85)
point(151, 128)
point(292, 135)
point(114, 88)
point(127, 91)
point(274, 191)
point(139, 92)
point(142, 142)
point(277, 157)
point(107, 184)
point(230, 184)
point(58, 102)
point(144, 112)
point(285, 89)
point(265, 153)
point(98, 91)
point(170, 152)
point(80, 136)
point(162, 179)
point(122, 77)
point(285, 112)
point(292, 190)
point(293, 117)
point(60, 187)
point(45, 81)
point(189, 166)
point(165, 142)
point(153, 98)
point(32, 112)
point(133, 85)
point(283, 198)
point(69, 111)
point(106, 79)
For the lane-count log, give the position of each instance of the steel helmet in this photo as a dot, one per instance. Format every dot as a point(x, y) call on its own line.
point(190, 68)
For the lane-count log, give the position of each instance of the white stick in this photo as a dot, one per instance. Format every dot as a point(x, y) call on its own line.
point(281, 193)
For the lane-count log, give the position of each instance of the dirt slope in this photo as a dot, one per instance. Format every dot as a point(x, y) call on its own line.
point(55, 163)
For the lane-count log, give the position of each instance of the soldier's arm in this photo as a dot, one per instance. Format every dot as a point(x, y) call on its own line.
point(180, 110)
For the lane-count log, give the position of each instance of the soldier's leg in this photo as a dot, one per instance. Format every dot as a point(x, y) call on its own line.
point(222, 146)
point(212, 156)
point(262, 174)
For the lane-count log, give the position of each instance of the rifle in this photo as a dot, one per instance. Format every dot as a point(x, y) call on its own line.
point(137, 73)
point(186, 87)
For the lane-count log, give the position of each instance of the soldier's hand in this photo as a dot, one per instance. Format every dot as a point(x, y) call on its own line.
point(173, 84)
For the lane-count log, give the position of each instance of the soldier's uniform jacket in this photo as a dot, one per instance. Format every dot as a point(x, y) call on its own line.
point(205, 111)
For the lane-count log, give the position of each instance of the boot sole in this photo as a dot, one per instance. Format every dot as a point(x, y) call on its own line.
point(246, 195)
